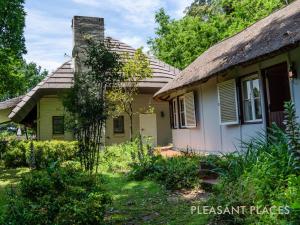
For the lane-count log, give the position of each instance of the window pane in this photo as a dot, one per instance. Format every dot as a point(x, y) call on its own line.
point(247, 110)
point(255, 90)
point(182, 115)
point(182, 119)
point(175, 113)
point(118, 124)
point(258, 113)
point(247, 89)
point(58, 125)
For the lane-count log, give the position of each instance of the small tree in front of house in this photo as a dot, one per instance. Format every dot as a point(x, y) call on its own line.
point(87, 100)
point(136, 68)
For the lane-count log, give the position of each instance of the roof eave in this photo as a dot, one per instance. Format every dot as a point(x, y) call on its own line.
point(162, 96)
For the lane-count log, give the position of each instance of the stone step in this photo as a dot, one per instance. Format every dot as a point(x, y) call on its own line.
point(210, 181)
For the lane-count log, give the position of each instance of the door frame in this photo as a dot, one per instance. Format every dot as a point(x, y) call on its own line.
point(266, 92)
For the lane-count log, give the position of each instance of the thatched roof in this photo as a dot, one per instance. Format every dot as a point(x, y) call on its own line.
point(10, 103)
point(278, 32)
point(62, 79)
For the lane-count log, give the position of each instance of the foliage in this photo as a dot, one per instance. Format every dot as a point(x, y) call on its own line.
point(174, 173)
point(12, 23)
point(292, 130)
point(58, 195)
point(16, 76)
point(117, 158)
point(19, 153)
point(135, 69)
point(264, 174)
point(179, 42)
point(87, 101)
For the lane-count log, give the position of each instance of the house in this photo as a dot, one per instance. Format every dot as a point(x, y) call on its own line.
point(42, 108)
point(237, 88)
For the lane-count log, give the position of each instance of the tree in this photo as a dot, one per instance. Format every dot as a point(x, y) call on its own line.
point(180, 42)
point(16, 76)
point(87, 100)
point(12, 23)
point(135, 69)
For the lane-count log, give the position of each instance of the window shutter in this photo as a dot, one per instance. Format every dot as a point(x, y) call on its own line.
point(190, 116)
point(228, 109)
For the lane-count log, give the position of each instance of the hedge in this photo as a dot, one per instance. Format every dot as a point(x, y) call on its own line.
point(18, 153)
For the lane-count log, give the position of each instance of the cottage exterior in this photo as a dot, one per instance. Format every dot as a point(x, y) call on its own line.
point(237, 88)
point(42, 107)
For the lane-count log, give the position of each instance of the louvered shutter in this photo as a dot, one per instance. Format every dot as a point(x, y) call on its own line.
point(228, 102)
point(190, 116)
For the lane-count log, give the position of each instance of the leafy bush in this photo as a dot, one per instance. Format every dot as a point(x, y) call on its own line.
point(18, 153)
point(117, 158)
point(175, 173)
point(264, 174)
point(57, 195)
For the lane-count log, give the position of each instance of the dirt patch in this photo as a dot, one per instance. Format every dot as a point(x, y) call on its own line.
point(167, 151)
point(188, 195)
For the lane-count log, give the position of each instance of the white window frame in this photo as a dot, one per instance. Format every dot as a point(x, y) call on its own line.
point(175, 113)
point(180, 112)
point(252, 99)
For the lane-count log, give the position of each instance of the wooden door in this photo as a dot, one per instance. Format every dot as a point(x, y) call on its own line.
point(277, 90)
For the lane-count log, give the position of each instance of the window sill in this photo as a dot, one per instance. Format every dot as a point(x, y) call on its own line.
point(252, 122)
point(119, 135)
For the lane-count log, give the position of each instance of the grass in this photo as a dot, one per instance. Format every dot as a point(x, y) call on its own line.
point(134, 202)
point(8, 178)
point(146, 202)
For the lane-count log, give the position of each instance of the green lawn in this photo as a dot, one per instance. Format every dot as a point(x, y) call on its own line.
point(145, 202)
point(8, 178)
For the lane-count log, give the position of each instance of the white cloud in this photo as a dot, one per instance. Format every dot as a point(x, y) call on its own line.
point(135, 42)
point(179, 7)
point(47, 39)
point(138, 12)
point(48, 33)
point(88, 2)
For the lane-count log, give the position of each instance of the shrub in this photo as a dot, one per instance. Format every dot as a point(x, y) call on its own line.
point(175, 173)
point(117, 158)
point(57, 195)
point(18, 153)
point(15, 154)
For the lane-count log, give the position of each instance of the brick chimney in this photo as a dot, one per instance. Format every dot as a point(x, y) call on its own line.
point(85, 26)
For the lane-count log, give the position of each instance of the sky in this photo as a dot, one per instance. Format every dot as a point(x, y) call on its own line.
point(48, 30)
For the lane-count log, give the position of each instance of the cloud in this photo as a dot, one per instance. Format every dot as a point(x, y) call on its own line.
point(48, 30)
point(137, 12)
point(47, 38)
point(135, 42)
point(179, 7)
